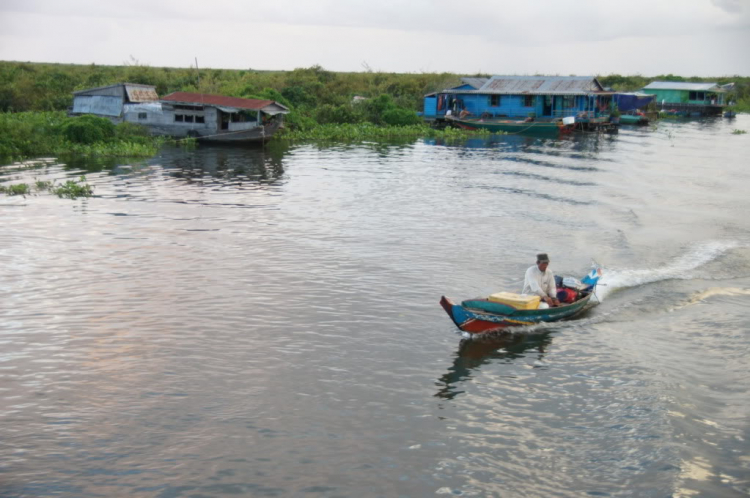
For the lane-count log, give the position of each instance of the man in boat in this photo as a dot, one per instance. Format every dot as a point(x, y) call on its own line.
point(540, 282)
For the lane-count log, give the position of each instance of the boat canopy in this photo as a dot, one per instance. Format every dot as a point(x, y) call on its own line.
point(632, 101)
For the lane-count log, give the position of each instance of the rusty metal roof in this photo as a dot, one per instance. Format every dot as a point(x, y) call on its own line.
point(218, 100)
point(136, 92)
point(542, 85)
point(141, 93)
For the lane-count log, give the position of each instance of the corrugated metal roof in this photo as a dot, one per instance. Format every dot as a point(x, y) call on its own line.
point(679, 85)
point(542, 85)
point(218, 100)
point(475, 82)
point(134, 85)
point(141, 93)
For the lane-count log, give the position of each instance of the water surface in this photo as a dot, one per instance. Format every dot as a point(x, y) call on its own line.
point(265, 322)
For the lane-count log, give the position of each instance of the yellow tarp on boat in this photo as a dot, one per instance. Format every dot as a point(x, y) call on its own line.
point(518, 301)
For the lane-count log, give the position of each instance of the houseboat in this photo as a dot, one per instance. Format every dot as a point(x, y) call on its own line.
point(212, 118)
point(524, 104)
point(676, 98)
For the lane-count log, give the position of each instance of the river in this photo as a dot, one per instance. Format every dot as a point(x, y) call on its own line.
point(231, 321)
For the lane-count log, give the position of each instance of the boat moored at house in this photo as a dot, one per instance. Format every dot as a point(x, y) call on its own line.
point(205, 117)
point(635, 108)
point(580, 101)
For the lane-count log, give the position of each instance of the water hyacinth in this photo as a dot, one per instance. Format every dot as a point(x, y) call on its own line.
point(370, 131)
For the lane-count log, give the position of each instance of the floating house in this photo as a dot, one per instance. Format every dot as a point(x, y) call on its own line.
point(579, 99)
point(205, 117)
point(693, 99)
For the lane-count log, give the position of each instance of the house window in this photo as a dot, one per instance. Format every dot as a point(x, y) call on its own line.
point(189, 118)
point(179, 118)
point(569, 101)
point(528, 100)
point(200, 119)
point(697, 96)
point(142, 115)
point(495, 100)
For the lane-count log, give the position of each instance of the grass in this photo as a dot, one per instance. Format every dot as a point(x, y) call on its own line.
point(738, 132)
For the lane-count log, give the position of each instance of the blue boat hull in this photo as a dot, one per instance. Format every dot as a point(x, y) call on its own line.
point(476, 321)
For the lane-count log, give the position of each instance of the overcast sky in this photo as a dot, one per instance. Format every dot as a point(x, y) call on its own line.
point(582, 37)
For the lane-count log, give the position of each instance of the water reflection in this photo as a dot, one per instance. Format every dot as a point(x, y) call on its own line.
point(221, 162)
point(473, 353)
point(586, 145)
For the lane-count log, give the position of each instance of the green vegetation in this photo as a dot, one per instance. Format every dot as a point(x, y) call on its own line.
point(739, 132)
point(30, 134)
point(17, 189)
point(369, 131)
point(70, 189)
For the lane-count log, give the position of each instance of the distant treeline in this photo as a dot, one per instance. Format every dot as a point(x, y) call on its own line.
point(315, 95)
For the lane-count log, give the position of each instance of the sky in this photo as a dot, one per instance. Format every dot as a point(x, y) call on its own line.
point(554, 37)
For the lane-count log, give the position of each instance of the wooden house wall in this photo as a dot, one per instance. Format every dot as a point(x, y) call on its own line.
point(683, 97)
point(514, 105)
point(670, 96)
point(430, 106)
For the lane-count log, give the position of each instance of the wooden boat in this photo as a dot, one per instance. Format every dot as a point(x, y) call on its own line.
point(548, 128)
point(480, 315)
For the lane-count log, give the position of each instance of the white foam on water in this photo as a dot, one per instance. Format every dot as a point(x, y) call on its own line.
point(699, 297)
point(679, 268)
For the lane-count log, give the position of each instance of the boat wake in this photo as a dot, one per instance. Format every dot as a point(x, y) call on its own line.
point(699, 297)
point(681, 267)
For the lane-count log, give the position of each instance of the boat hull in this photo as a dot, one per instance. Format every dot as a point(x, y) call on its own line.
point(633, 120)
point(475, 321)
point(548, 128)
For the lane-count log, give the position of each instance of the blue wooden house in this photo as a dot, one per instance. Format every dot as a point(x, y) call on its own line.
point(520, 97)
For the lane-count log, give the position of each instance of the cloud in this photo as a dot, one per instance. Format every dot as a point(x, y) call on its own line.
point(731, 6)
point(576, 36)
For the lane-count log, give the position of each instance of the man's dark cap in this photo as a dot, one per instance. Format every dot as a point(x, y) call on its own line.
point(542, 258)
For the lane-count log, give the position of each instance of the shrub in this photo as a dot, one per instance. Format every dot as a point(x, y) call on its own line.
point(132, 132)
point(398, 116)
point(337, 114)
point(299, 120)
point(88, 129)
